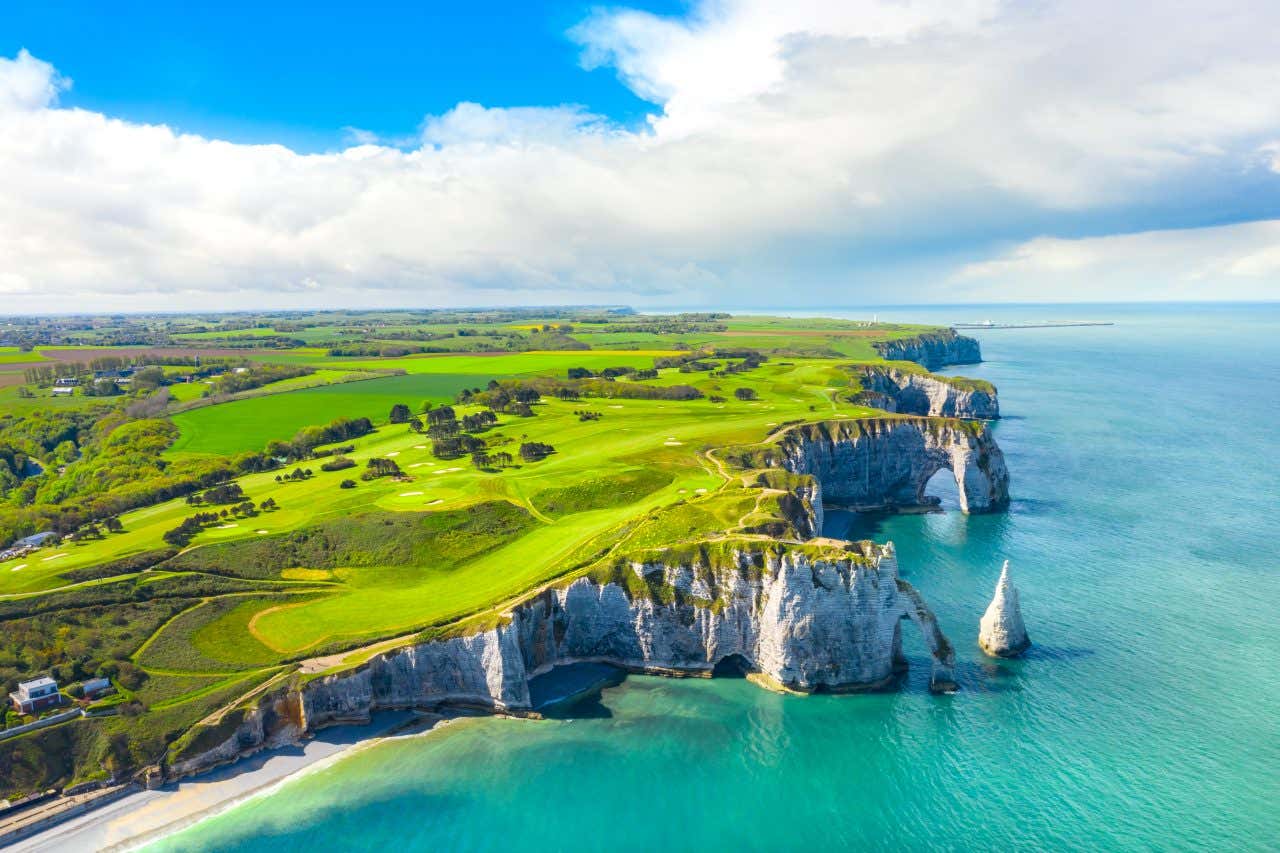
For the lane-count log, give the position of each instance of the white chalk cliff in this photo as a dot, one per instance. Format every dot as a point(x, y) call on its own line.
point(887, 462)
point(1002, 633)
point(915, 392)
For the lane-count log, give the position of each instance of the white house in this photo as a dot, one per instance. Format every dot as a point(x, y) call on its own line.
point(36, 695)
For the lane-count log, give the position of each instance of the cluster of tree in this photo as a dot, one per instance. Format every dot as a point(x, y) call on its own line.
point(646, 373)
point(181, 536)
point(679, 324)
point(751, 359)
point(532, 451)
point(93, 530)
point(573, 389)
point(300, 474)
point(224, 493)
point(480, 421)
point(255, 377)
point(550, 338)
point(307, 439)
point(745, 393)
point(338, 463)
point(453, 446)
point(375, 350)
point(104, 387)
point(607, 373)
point(509, 399)
point(332, 451)
point(699, 366)
point(667, 361)
point(491, 461)
point(380, 467)
point(400, 414)
point(347, 484)
point(254, 342)
point(587, 415)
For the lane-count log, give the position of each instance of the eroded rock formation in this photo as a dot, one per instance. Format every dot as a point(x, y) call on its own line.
point(1002, 632)
point(886, 462)
point(915, 392)
point(806, 617)
point(932, 349)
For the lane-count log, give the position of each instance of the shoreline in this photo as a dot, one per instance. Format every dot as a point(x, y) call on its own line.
point(146, 816)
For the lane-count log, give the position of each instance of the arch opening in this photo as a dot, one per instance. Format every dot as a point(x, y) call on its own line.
point(941, 491)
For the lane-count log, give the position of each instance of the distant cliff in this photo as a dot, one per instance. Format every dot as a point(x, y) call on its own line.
point(887, 462)
point(932, 349)
point(911, 390)
point(816, 616)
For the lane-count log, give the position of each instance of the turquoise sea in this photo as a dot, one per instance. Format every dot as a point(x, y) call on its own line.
point(1145, 537)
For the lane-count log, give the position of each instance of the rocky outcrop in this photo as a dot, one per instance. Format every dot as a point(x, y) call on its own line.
point(886, 462)
point(805, 617)
point(1002, 632)
point(911, 391)
point(932, 349)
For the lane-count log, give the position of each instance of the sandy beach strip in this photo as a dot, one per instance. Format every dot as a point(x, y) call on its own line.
point(139, 819)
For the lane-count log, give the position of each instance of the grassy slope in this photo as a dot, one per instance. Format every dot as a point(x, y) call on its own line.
point(639, 477)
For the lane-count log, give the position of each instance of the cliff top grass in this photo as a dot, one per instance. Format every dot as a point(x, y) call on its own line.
point(444, 548)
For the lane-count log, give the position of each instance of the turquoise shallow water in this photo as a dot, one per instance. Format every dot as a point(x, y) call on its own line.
point(1146, 475)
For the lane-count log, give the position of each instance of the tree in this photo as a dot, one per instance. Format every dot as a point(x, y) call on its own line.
point(400, 413)
point(415, 425)
point(744, 393)
point(532, 451)
point(347, 484)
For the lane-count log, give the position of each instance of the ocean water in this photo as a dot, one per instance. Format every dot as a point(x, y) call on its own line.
point(1145, 537)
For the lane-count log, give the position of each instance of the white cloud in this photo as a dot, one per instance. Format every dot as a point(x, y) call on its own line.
point(26, 83)
point(1229, 261)
point(830, 138)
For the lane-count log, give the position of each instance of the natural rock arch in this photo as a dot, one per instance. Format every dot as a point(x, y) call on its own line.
point(887, 462)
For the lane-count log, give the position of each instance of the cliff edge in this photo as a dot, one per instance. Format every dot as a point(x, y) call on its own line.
point(932, 349)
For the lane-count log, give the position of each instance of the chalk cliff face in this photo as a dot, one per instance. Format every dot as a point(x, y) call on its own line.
point(1002, 632)
point(813, 617)
point(932, 349)
point(804, 621)
point(886, 462)
point(911, 392)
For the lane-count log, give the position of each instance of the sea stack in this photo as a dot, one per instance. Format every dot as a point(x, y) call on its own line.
point(1002, 633)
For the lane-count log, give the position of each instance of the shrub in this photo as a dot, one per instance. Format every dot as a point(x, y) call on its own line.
point(347, 484)
point(338, 463)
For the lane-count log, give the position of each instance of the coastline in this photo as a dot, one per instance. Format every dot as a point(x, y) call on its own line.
point(143, 817)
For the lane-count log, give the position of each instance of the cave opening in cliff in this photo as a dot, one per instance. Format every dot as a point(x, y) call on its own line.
point(732, 666)
point(942, 486)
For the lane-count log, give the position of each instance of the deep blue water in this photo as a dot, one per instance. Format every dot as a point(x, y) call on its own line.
point(1144, 537)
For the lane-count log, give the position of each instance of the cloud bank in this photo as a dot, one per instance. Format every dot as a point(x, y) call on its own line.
point(882, 151)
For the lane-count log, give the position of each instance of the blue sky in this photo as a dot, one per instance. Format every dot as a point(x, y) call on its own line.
point(297, 73)
point(710, 152)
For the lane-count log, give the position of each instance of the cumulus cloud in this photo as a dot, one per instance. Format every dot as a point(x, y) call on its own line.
point(805, 148)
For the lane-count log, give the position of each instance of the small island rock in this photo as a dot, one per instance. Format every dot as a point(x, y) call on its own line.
point(1001, 632)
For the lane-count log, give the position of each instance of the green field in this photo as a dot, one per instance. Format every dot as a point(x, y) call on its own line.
point(249, 424)
point(333, 572)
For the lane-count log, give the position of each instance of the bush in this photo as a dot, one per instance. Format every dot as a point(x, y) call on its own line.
point(338, 463)
point(347, 484)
